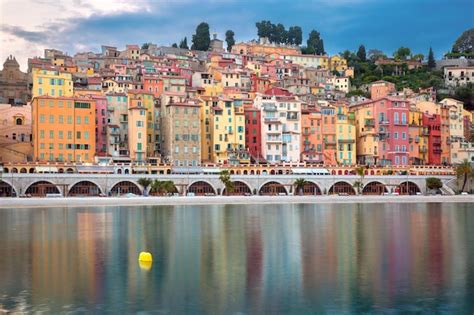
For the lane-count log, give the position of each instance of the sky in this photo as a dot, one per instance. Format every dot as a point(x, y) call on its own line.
point(27, 27)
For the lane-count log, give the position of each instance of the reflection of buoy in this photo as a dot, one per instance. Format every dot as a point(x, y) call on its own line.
point(145, 265)
point(145, 256)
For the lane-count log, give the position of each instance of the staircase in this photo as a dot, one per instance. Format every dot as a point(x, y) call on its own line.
point(448, 186)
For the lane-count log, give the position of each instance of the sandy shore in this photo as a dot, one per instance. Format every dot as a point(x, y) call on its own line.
point(12, 203)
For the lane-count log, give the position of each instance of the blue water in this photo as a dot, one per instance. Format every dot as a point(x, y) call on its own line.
point(236, 259)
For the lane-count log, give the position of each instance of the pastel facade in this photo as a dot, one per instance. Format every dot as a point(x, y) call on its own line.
point(51, 83)
point(63, 129)
point(458, 76)
point(15, 131)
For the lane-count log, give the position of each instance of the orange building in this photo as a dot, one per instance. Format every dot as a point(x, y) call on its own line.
point(311, 140)
point(63, 129)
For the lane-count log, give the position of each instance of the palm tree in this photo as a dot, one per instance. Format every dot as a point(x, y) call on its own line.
point(145, 182)
point(225, 179)
point(299, 185)
point(358, 184)
point(464, 170)
point(162, 187)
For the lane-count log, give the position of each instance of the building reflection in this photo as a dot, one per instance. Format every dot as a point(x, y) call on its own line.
point(230, 259)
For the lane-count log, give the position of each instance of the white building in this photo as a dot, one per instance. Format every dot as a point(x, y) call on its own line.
point(458, 76)
point(281, 127)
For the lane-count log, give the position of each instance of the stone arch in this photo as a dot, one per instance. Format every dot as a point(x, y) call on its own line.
point(374, 188)
point(245, 172)
point(6, 170)
point(272, 188)
point(310, 189)
point(125, 187)
point(23, 170)
point(31, 170)
point(69, 171)
point(127, 171)
point(42, 188)
point(241, 188)
point(119, 171)
point(252, 172)
point(61, 170)
point(7, 190)
point(14, 170)
point(84, 188)
point(232, 172)
point(342, 187)
point(272, 172)
point(202, 188)
point(408, 188)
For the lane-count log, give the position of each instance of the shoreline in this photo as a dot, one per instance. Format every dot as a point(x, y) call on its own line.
point(13, 203)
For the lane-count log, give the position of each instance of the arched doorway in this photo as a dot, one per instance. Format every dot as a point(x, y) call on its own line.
point(310, 189)
point(23, 170)
point(84, 189)
point(374, 188)
point(272, 188)
point(6, 190)
point(125, 187)
point(201, 188)
point(240, 189)
point(408, 188)
point(69, 171)
point(41, 189)
point(342, 188)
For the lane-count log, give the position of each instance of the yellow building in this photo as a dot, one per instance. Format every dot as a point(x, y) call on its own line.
point(63, 129)
point(137, 128)
point(146, 100)
point(366, 134)
point(417, 138)
point(345, 135)
point(337, 63)
point(52, 83)
point(223, 131)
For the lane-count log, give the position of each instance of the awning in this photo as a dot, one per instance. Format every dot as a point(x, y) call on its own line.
point(46, 169)
point(186, 170)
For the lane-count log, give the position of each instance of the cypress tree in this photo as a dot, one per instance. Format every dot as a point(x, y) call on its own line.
point(431, 60)
point(202, 38)
point(361, 53)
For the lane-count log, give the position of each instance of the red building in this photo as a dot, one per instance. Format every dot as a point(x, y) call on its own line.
point(433, 122)
point(253, 133)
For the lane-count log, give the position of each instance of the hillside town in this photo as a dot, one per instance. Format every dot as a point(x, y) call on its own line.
point(256, 102)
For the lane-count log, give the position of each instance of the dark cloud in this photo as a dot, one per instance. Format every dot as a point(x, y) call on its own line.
point(17, 31)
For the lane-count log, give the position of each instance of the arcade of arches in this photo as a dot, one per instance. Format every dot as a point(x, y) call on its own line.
point(374, 188)
point(83, 189)
point(41, 189)
point(240, 189)
point(201, 188)
point(125, 187)
point(342, 188)
point(272, 188)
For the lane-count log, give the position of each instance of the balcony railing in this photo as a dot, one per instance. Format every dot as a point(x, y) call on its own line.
point(346, 140)
point(370, 123)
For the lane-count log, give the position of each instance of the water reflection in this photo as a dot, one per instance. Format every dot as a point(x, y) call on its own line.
point(228, 259)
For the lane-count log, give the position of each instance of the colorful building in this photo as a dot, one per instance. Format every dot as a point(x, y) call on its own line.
point(63, 129)
point(51, 83)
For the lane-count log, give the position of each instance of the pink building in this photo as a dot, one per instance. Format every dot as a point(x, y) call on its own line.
point(101, 125)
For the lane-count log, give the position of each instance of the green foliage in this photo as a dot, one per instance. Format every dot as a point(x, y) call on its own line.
point(229, 39)
point(224, 177)
point(375, 54)
point(146, 45)
point(433, 183)
point(451, 55)
point(162, 187)
point(358, 185)
point(361, 54)
point(184, 43)
point(358, 93)
point(465, 94)
point(314, 44)
point(277, 33)
point(402, 53)
point(145, 182)
point(295, 35)
point(299, 184)
point(174, 45)
point(465, 42)
point(418, 57)
point(431, 60)
point(202, 39)
point(464, 171)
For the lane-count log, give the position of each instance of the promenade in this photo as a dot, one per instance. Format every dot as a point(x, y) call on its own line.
point(13, 203)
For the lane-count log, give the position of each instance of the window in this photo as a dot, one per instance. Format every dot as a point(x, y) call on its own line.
point(51, 119)
point(60, 134)
point(69, 119)
point(86, 135)
point(81, 105)
point(61, 119)
point(51, 134)
point(42, 118)
point(176, 149)
point(69, 135)
point(78, 120)
point(78, 135)
point(86, 120)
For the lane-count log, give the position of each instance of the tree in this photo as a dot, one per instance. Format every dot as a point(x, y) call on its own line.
point(146, 45)
point(264, 28)
point(466, 95)
point(402, 53)
point(224, 177)
point(295, 35)
point(375, 54)
point(361, 53)
point(465, 42)
point(431, 60)
point(162, 187)
point(464, 171)
point(418, 57)
point(358, 184)
point(229, 39)
point(299, 185)
point(202, 38)
point(315, 44)
point(174, 45)
point(145, 182)
point(433, 183)
point(184, 43)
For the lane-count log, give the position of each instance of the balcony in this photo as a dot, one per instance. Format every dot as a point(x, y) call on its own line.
point(370, 123)
point(382, 131)
point(346, 140)
point(306, 132)
point(326, 141)
point(273, 139)
point(423, 150)
point(410, 140)
point(124, 121)
point(437, 150)
point(269, 108)
point(400, 123)
point(292, 116)
point(110, 108)
point(425, 133)
point(272, 119)
point(384, 122)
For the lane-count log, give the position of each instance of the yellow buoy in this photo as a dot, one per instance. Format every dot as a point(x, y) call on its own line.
point(145, 265)
point(145, 256)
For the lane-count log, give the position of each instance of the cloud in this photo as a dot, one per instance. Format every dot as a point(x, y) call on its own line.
point(19, 32)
